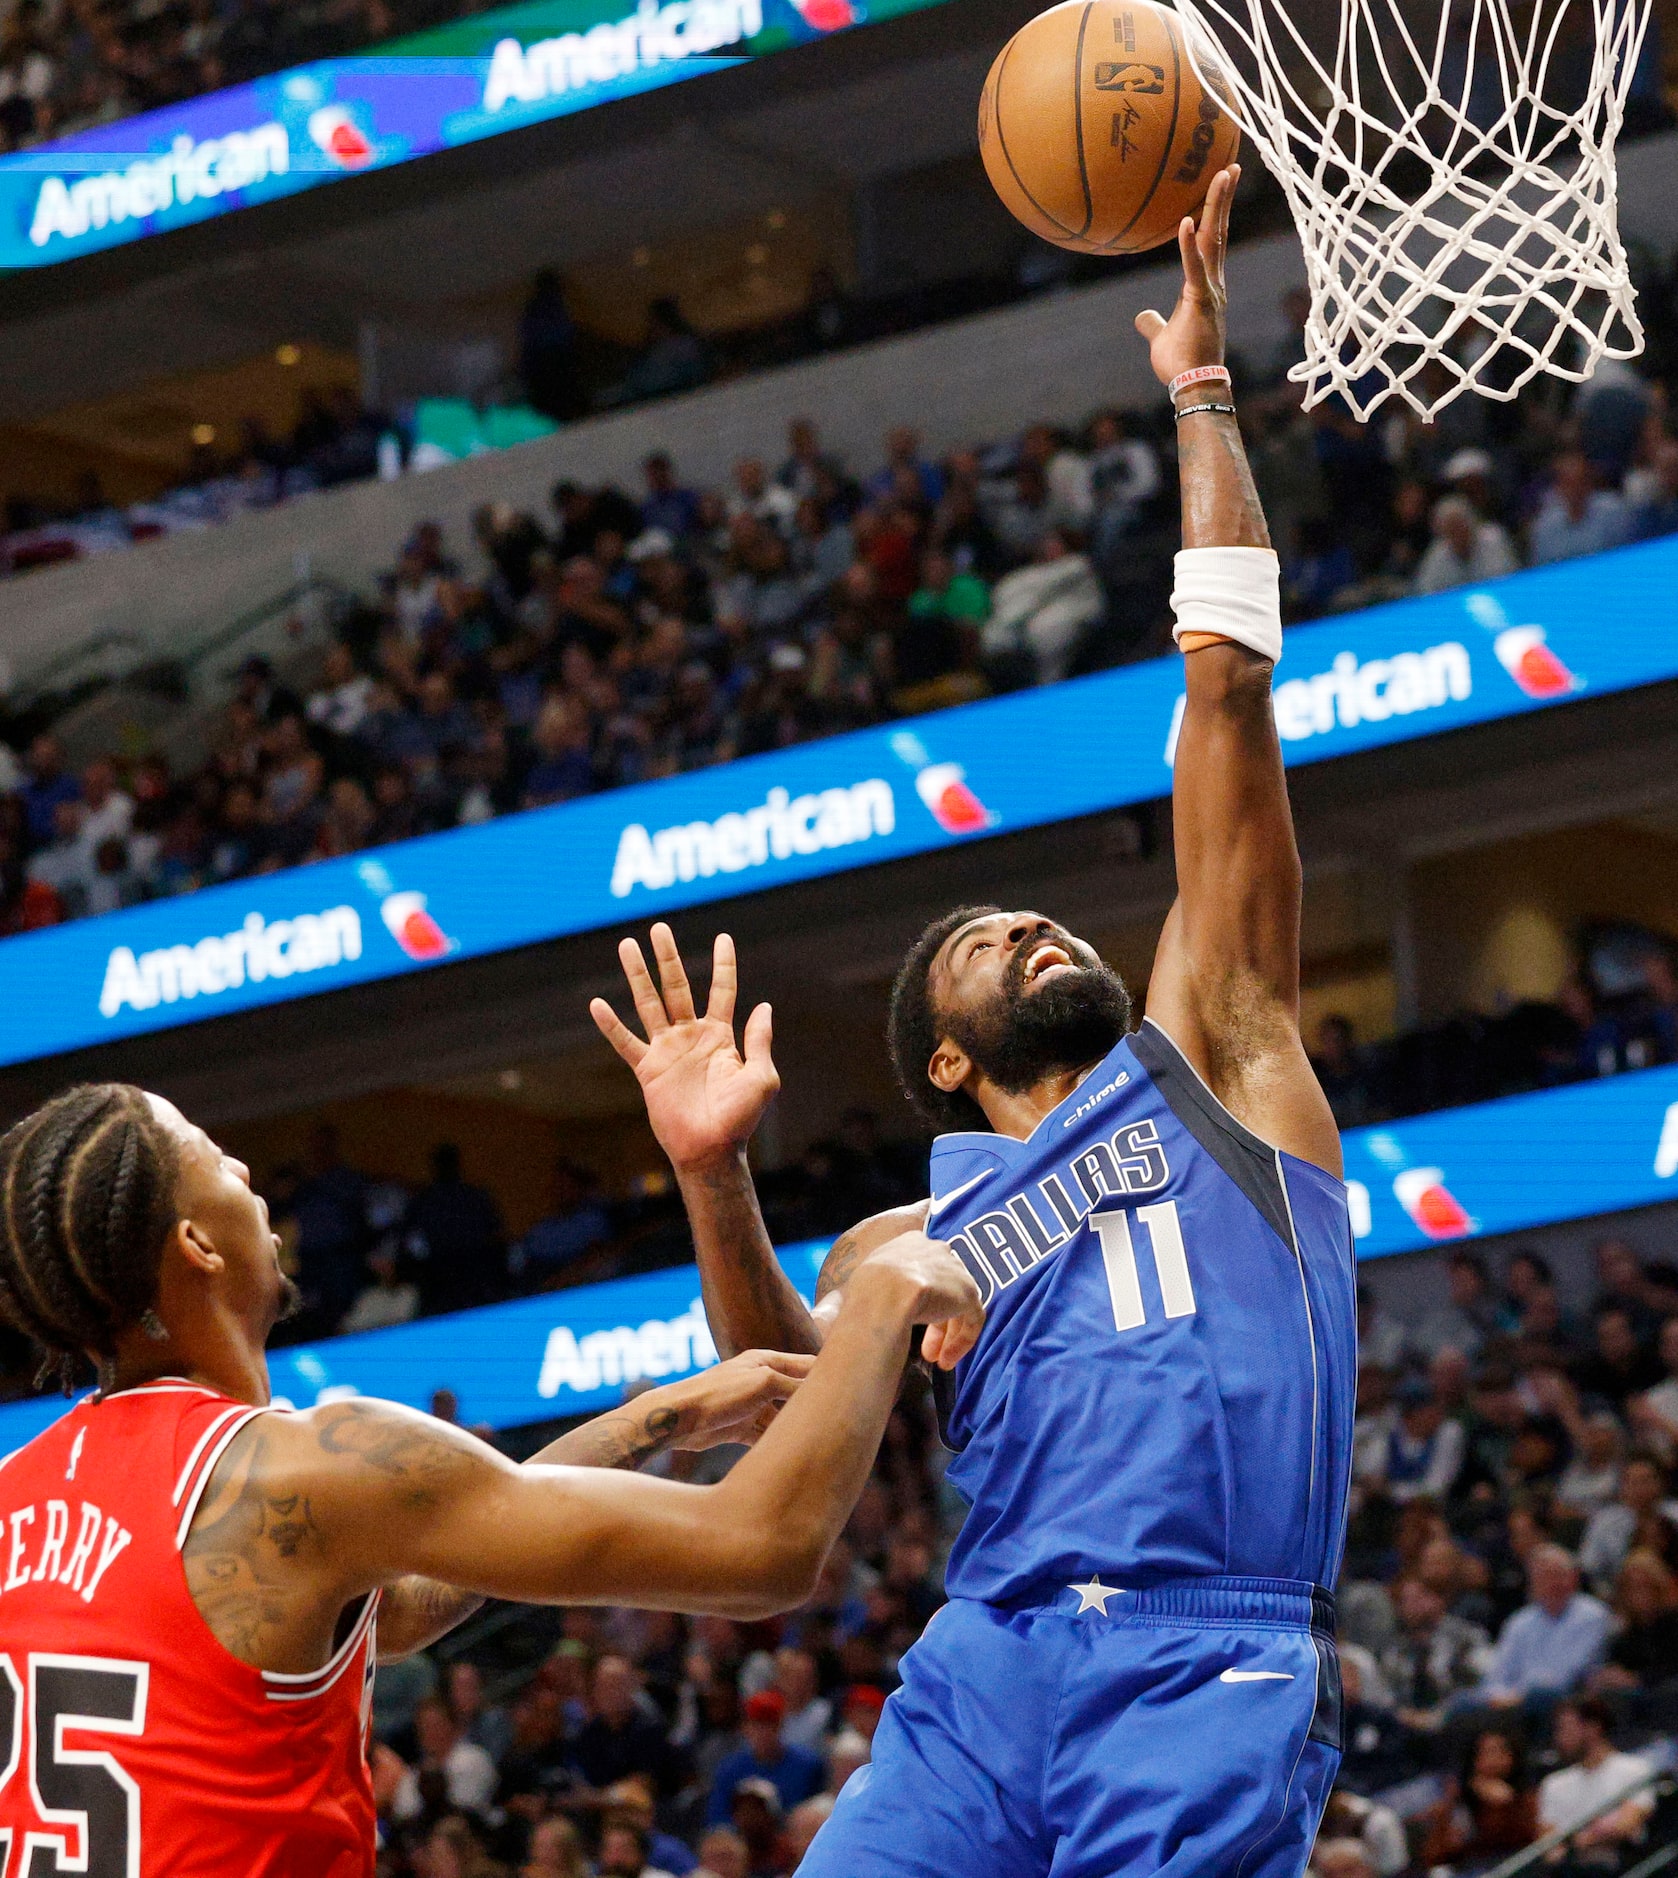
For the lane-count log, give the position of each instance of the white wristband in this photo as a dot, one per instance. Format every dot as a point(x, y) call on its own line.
point(1232, 592)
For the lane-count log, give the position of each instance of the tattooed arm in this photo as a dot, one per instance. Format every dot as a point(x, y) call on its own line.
point(319, 1508)
point(733, 1402)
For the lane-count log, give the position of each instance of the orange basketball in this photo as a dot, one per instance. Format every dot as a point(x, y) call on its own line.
point(1094, 129)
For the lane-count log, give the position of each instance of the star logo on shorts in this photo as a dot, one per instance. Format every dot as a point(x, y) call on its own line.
point(1094, 1595)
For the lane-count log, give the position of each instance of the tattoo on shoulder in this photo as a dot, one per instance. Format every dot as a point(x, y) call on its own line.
point(405, 1452)
point(248, 1550)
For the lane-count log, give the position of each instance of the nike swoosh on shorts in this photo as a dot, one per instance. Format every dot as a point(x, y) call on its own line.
point(1255, 1675)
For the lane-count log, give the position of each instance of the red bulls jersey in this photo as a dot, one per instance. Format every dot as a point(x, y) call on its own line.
point(132, 1743)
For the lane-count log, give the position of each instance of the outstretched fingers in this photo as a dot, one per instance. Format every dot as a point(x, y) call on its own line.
point(672, 975)
point(759, 1041)
point(649, 1006)
point(616, 1032)
point(725, 981)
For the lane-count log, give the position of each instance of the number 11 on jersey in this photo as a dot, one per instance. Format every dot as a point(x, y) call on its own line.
point(1171, 1263)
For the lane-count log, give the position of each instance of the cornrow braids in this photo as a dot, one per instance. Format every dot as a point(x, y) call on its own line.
point(87, 1198)
point(914, 1031)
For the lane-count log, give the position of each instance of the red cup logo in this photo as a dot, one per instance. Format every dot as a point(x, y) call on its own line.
point(954, 806)
point(826, 16)
point(1523, 654)
point(341, 137)
point(1422, 1192)
point(413, 928)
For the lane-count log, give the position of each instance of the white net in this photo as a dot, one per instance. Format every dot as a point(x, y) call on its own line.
point(1450, 166)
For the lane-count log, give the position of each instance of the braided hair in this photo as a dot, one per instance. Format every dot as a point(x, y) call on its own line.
point(87, 1198)
point(914, 1030)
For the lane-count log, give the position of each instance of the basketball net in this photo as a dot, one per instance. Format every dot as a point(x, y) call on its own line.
point(1450, 167)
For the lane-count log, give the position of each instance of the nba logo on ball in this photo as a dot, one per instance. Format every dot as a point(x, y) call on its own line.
point(1096, 130)
point(413, 928)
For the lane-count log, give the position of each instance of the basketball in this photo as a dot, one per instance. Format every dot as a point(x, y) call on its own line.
point(1095, 131)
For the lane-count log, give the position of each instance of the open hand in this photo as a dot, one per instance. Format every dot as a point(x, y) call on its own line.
point(736, 1400)
point(704, 1097)
point(1194, 335)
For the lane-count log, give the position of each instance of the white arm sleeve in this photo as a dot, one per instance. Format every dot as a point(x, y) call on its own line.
point(1233, 592)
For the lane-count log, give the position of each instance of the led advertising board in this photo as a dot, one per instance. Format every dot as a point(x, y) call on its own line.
point(1498, 1167)
point(475, 78)
point(1395, 673)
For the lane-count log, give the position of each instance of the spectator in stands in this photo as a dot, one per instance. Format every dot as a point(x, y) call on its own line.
point(794, 1773)
point(1554, 1642)
point(548, 350)
point(1434, 1658)
point(1463, 550)
point(1039, 613)
point(1595, 1776)
point(329, 1207)
point(673, 358)
point(388, 1298)
point(625, 1851)
point(479, 1722)
point(1637, 1517)
point(465, 1775)
point(1488, 1812)
point(668, 506)
point(1470, 1316)
point(1424, 1453)
point(905, 470)
point(723, 1854)
point(635, 1799)
point(1577, 516)
point(454, 1230)
point(808, 1714)
point(575, 1226)
point(556, 1851)
point(624, 1735)
point(1620, 1365)
point(47, 788)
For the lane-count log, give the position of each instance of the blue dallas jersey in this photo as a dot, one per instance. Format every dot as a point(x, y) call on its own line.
point(1164, 1385)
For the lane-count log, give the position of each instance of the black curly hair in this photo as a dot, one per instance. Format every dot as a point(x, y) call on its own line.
point(914, 1030)
point(87, 1198)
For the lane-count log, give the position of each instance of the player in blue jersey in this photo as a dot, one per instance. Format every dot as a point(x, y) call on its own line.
point(1151, 1423)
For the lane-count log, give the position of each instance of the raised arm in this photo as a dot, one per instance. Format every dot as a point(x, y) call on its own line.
point(1225, 984)
point(705, 1099)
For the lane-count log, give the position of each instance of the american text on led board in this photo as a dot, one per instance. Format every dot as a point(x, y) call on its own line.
point(1396, 673)
point(454, 85)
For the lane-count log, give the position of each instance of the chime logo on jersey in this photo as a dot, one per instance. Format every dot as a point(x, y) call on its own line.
point(1005, 1243)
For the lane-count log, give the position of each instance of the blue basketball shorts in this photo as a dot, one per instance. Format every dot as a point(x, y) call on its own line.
point(1192, 1729)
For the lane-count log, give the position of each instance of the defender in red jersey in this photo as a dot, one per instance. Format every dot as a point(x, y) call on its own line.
point(189, 1578)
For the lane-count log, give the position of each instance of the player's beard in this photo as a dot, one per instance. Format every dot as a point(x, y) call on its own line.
point(1022, 1036)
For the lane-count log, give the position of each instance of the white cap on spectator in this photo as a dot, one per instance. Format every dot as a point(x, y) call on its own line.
point(1466, 463)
